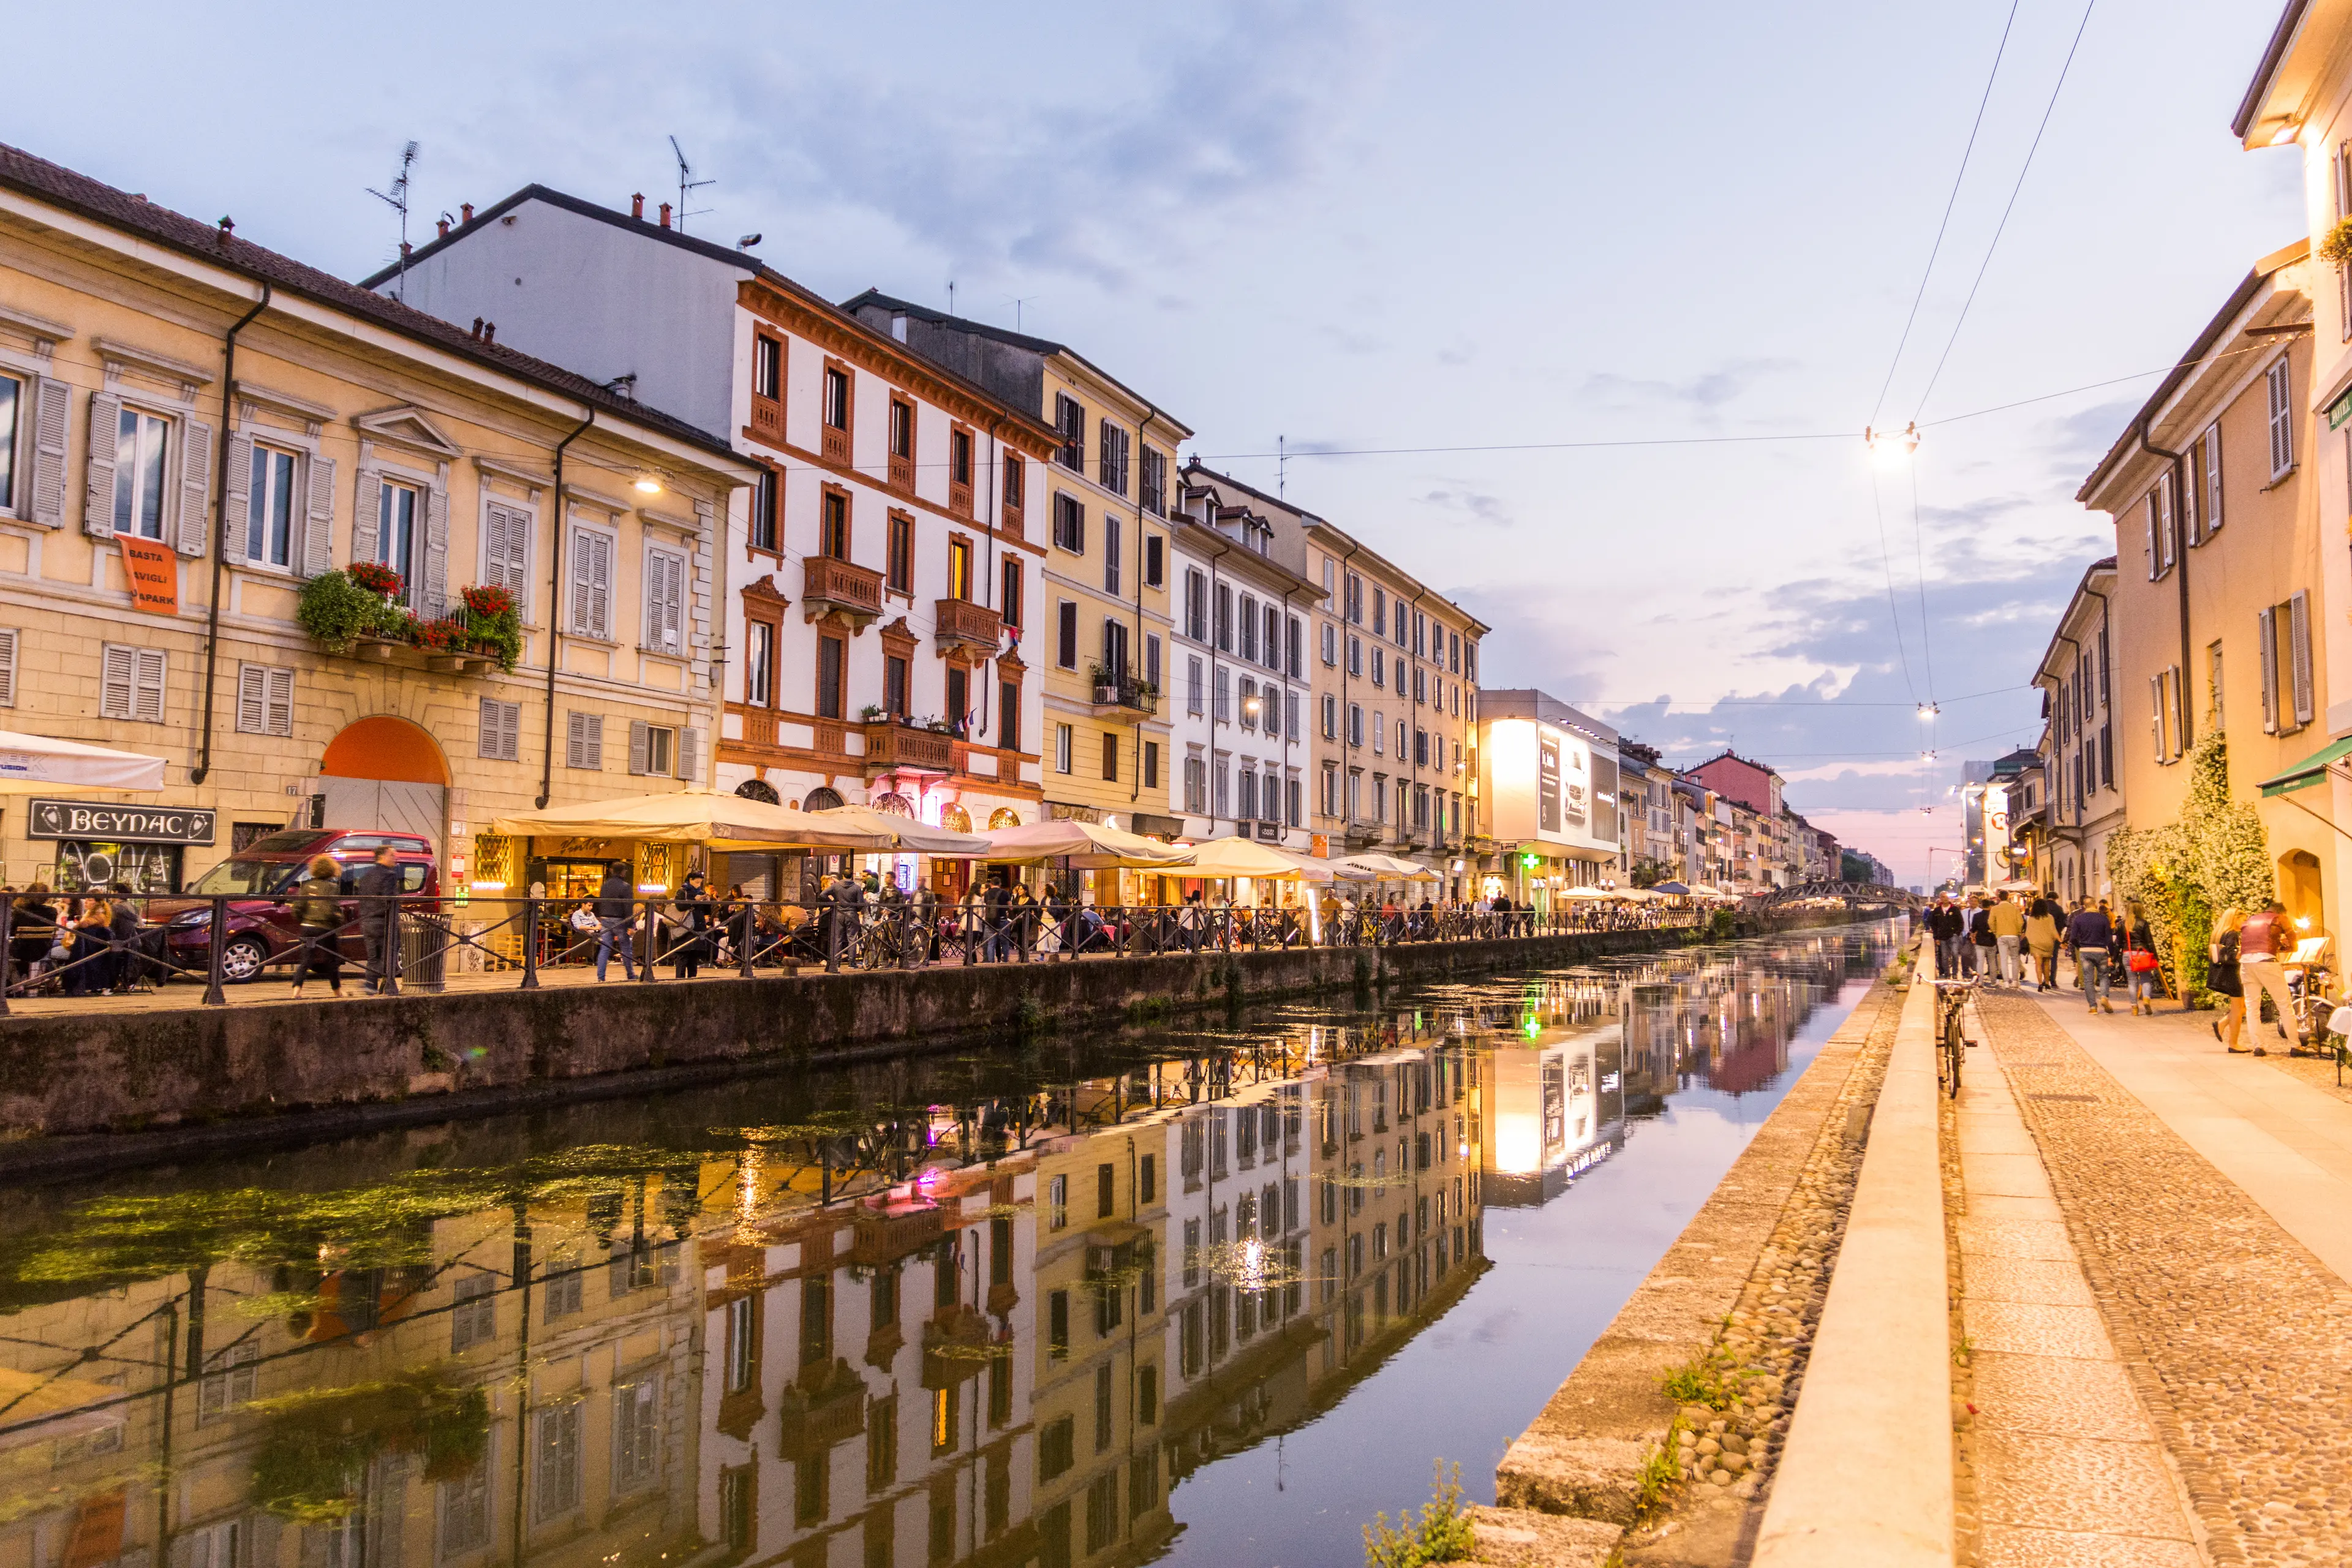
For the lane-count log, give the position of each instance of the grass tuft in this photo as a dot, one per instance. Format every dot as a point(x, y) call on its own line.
point(1440, 1534)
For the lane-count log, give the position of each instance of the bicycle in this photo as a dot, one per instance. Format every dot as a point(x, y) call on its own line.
point(1951, 1042)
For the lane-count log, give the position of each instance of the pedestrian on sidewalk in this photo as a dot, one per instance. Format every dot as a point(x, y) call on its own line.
point(2260, 941)
point(2041, 940)
point(2221, 978)
point(319, 913)
point(1946, 924)
point(1981, 946)
point(2092, 937)
point(379, 898)
point(2142, 974)
point(2006, 921)
point(613, 921)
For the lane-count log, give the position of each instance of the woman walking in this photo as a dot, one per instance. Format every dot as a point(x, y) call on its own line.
point(319, 912)
point(2041, 942)
point(2140, 971)
point(2221, 978)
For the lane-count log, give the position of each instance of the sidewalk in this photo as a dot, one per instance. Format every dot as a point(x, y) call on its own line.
point(2205, 1253)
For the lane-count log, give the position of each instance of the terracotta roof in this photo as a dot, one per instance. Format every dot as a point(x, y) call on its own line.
point(37, 177)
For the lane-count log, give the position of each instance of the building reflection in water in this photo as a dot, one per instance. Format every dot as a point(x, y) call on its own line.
point(997, 1329)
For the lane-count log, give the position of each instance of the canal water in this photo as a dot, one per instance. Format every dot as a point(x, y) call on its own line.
point(1202, 1292)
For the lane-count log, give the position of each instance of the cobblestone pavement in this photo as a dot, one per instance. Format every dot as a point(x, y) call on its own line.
point(2236, 1337)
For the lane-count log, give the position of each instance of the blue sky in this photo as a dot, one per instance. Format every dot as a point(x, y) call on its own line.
point(1350, 226)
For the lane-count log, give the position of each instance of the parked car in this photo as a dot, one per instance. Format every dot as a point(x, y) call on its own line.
point(257, 881)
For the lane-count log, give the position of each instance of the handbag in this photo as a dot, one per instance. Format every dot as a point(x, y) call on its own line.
point(2139, 960)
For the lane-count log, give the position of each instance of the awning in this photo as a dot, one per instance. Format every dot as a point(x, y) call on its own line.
point(42, 764)
point(2312, 769)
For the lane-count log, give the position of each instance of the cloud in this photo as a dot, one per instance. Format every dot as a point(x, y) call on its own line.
point(1706, 391)
point(1470, 508)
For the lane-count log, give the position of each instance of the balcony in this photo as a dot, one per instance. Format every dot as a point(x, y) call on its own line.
point(841, 592)
point(835, 446)
point(892, 747)
point(1365, 832)
point(960, 625)
point(1122, 696)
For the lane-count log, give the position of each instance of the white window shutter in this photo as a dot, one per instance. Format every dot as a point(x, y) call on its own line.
point(580, 577)
point(196, 485)
point(433, 602)
point(2155, 714)
point(147, 697)
point(367, 514)
point(689, 755)
point(2179, 711)
point(2267, 620)
point(2151, 539)
point(2299, 648)
point(640, 741)
point(7, 667)
point(97, 493)
point(51, 415)
point(595, 734)
point(115, 682)
point(252, 698)
point(600, 586)
point(236, 494)
point(575, 740)
point(281, 702)
point(318, 554)
point(2212, 481)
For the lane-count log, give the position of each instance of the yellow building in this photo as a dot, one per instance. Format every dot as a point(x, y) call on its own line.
point(241, 427)
point(1099, 627)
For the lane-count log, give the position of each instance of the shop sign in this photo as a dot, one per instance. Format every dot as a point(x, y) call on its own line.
point(1547, 784)
point(118, 824)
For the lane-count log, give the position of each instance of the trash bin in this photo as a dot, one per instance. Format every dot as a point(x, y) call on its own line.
point(424, 942)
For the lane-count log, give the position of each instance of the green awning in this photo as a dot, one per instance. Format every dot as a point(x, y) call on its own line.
point(2340, 410)
point(2312, 769)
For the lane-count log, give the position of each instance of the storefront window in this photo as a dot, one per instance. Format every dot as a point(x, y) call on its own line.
point(86, 864)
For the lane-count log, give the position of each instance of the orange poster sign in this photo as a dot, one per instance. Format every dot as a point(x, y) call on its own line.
point(154, 574)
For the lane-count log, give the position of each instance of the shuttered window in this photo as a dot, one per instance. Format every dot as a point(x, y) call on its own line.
point(1111, 460)
point(2282, 412)
point(7, 667)
point(665, 601)
point(584, 740)
point(1066, 640)
point(131, 684)
point(506, 555)
point(2287, 693)
point(265, 700)
point(501, 730)
point(653, 749)
point(1069, 524)
point(592, 583)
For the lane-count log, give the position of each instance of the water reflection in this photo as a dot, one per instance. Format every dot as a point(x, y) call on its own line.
point(990, 1310)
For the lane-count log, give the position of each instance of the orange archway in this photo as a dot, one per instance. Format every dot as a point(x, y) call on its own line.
point(393, 750)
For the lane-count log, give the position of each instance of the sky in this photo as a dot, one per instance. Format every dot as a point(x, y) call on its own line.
point(1666, 253)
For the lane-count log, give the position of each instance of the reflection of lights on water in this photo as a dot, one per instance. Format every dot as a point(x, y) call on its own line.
point(746, 1188)
point(1253, 1269)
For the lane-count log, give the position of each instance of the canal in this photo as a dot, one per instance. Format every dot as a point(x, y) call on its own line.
point(1210, 1292)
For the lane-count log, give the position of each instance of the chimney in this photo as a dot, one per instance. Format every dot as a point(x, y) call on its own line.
point(490, 332)
point(464, 212)
point(442, 226)
point(228, 229)
point(477, 326)
point(637, 207)
point(664, 215)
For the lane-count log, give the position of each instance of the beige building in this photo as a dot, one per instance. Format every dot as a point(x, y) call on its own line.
point(241, 428)
point(2221, 557)
point(2083, 800)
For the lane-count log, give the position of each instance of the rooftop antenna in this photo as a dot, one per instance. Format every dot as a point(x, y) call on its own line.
point(397, 200)
point(1018, 302)
point(950, 296)
point(686, 183)
point(1281, 465)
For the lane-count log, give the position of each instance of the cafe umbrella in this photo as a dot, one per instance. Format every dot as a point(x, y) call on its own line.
point(42, 764)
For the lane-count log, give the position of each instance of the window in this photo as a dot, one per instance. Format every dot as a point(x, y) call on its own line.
point(2159, 522)
point(1192, 688)
point(1330, 644)
point(653, 749)
point(767, 366)
point(2164, 691)
point(12, 401)
point(232, 1376)
point(1249, 628)
point(1113, 543)
point(1327, 800)
point(1355, 725)
point(959, 568)
point(1008, 715)
point(959, 460)
point(1196, 786)
point(836, 399)
point(139, 450)
point(1249, 797)
point(1012, 485)
point(1010, 606)
point(1066, 634)
point(1354, 610)
point(1154, 493)
point(1196, 605)
point(556, 1473)
point(902, 429)
point(636, 1434)
point(1069, 524)
point(475, 1319)
point(1220, 789)
point(1331, 717)
point(1071, 421)
point(881, 1443)
point(2207, 478)
point(464, 1512)
point(759, 663)
point(1110, 756)
point(2287, 699)
point(265, 700)
point(584, 740)
point(1220, 702)
point(505, 551)
point(131, 684)
point(665, 603)
point(763, 510)
point(397, 506)
point(1062, 744)
point(1155, 551)
point(1355, 654)
point(268, 505)
point(742, 1344)
point(1249, 703)
point(831, 667)
point(592, 582)
point(900, 565)
point(833, 526)
point(1150, 776)
point(1379, 613)
point(1380, 667)
point(1295, 644)
point(2281, 411)
point(1110, 465)
point(1151, 661)
point(1224, 613)
point(1379, 733)
point(1290, 724)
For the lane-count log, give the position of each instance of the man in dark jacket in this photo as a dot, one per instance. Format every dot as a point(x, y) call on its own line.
point(2093, 937)
point(1946, 924)
point(378, 889)
point(612, 901)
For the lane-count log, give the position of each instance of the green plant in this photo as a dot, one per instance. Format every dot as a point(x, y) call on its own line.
point(1029, 1015)
point(493, 623)
point(1657, 1475)
point(870, 712)
point(2336, 245)
point(2216, 857)
point(1440, 1534)
point(1962, 1349)
point(317, 1443)
point(1721, 926)
point(1705, 1379)
point(337, 611)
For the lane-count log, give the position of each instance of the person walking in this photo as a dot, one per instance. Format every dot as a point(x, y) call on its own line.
point(2221, 978)
point(1980, 945)
point(2092, 937)
point(2006, 920)
point(319, 915)
point(2260, 941)
point(2142, 973)
point(1947, 925)
point(613, 906)
point(379, 895)
point(693, 912)
point(2042, 941)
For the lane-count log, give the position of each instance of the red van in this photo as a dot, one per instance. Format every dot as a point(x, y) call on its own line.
point(257, 881)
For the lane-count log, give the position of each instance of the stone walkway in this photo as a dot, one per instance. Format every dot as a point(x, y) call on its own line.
point(2203, 1200)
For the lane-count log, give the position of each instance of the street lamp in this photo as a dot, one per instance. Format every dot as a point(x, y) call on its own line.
point(1892, 449)
point(1928, 710)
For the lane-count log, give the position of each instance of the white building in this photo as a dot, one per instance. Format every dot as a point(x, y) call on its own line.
point(1547, 776)
point(1238, 691)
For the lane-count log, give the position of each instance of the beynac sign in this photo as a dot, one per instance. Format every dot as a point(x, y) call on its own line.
point(118, 824)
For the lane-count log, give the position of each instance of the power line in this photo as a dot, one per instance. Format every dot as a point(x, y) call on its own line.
point(2001, 226)
point(1937, 249)
point(1919, 576)
point(1776, 702)
point(1887, 560)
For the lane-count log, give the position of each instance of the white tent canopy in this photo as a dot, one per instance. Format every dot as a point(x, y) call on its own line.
point(901, 833)
point(1082, 846)
point(41, 764)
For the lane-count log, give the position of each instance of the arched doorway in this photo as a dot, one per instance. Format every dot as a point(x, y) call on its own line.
point(388, 775)
point(824, 797)
point(759, 790)
point(2299, 890)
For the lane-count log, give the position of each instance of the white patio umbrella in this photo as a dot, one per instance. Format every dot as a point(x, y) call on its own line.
point(42, 764)
point(1245, 857)
point(1378, 867)
point(1084, 846)
point(903, 834)
point(680, 816)
point(1583, 893)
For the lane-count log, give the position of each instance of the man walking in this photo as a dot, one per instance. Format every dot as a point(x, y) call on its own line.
point(2006, 920)
point(379, 897)
point(613, 921)
point(2091, 936)
point(1946, 924)
point(2260, 941)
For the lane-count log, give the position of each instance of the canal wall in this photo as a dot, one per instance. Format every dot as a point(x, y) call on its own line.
point(338, 1066)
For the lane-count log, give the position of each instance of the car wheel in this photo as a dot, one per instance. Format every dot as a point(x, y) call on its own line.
point(244, 959)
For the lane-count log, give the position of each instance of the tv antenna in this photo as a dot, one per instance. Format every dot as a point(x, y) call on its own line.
point(1281, 466)
point(1017, 301)
point(686, 183)
point(397, 200)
